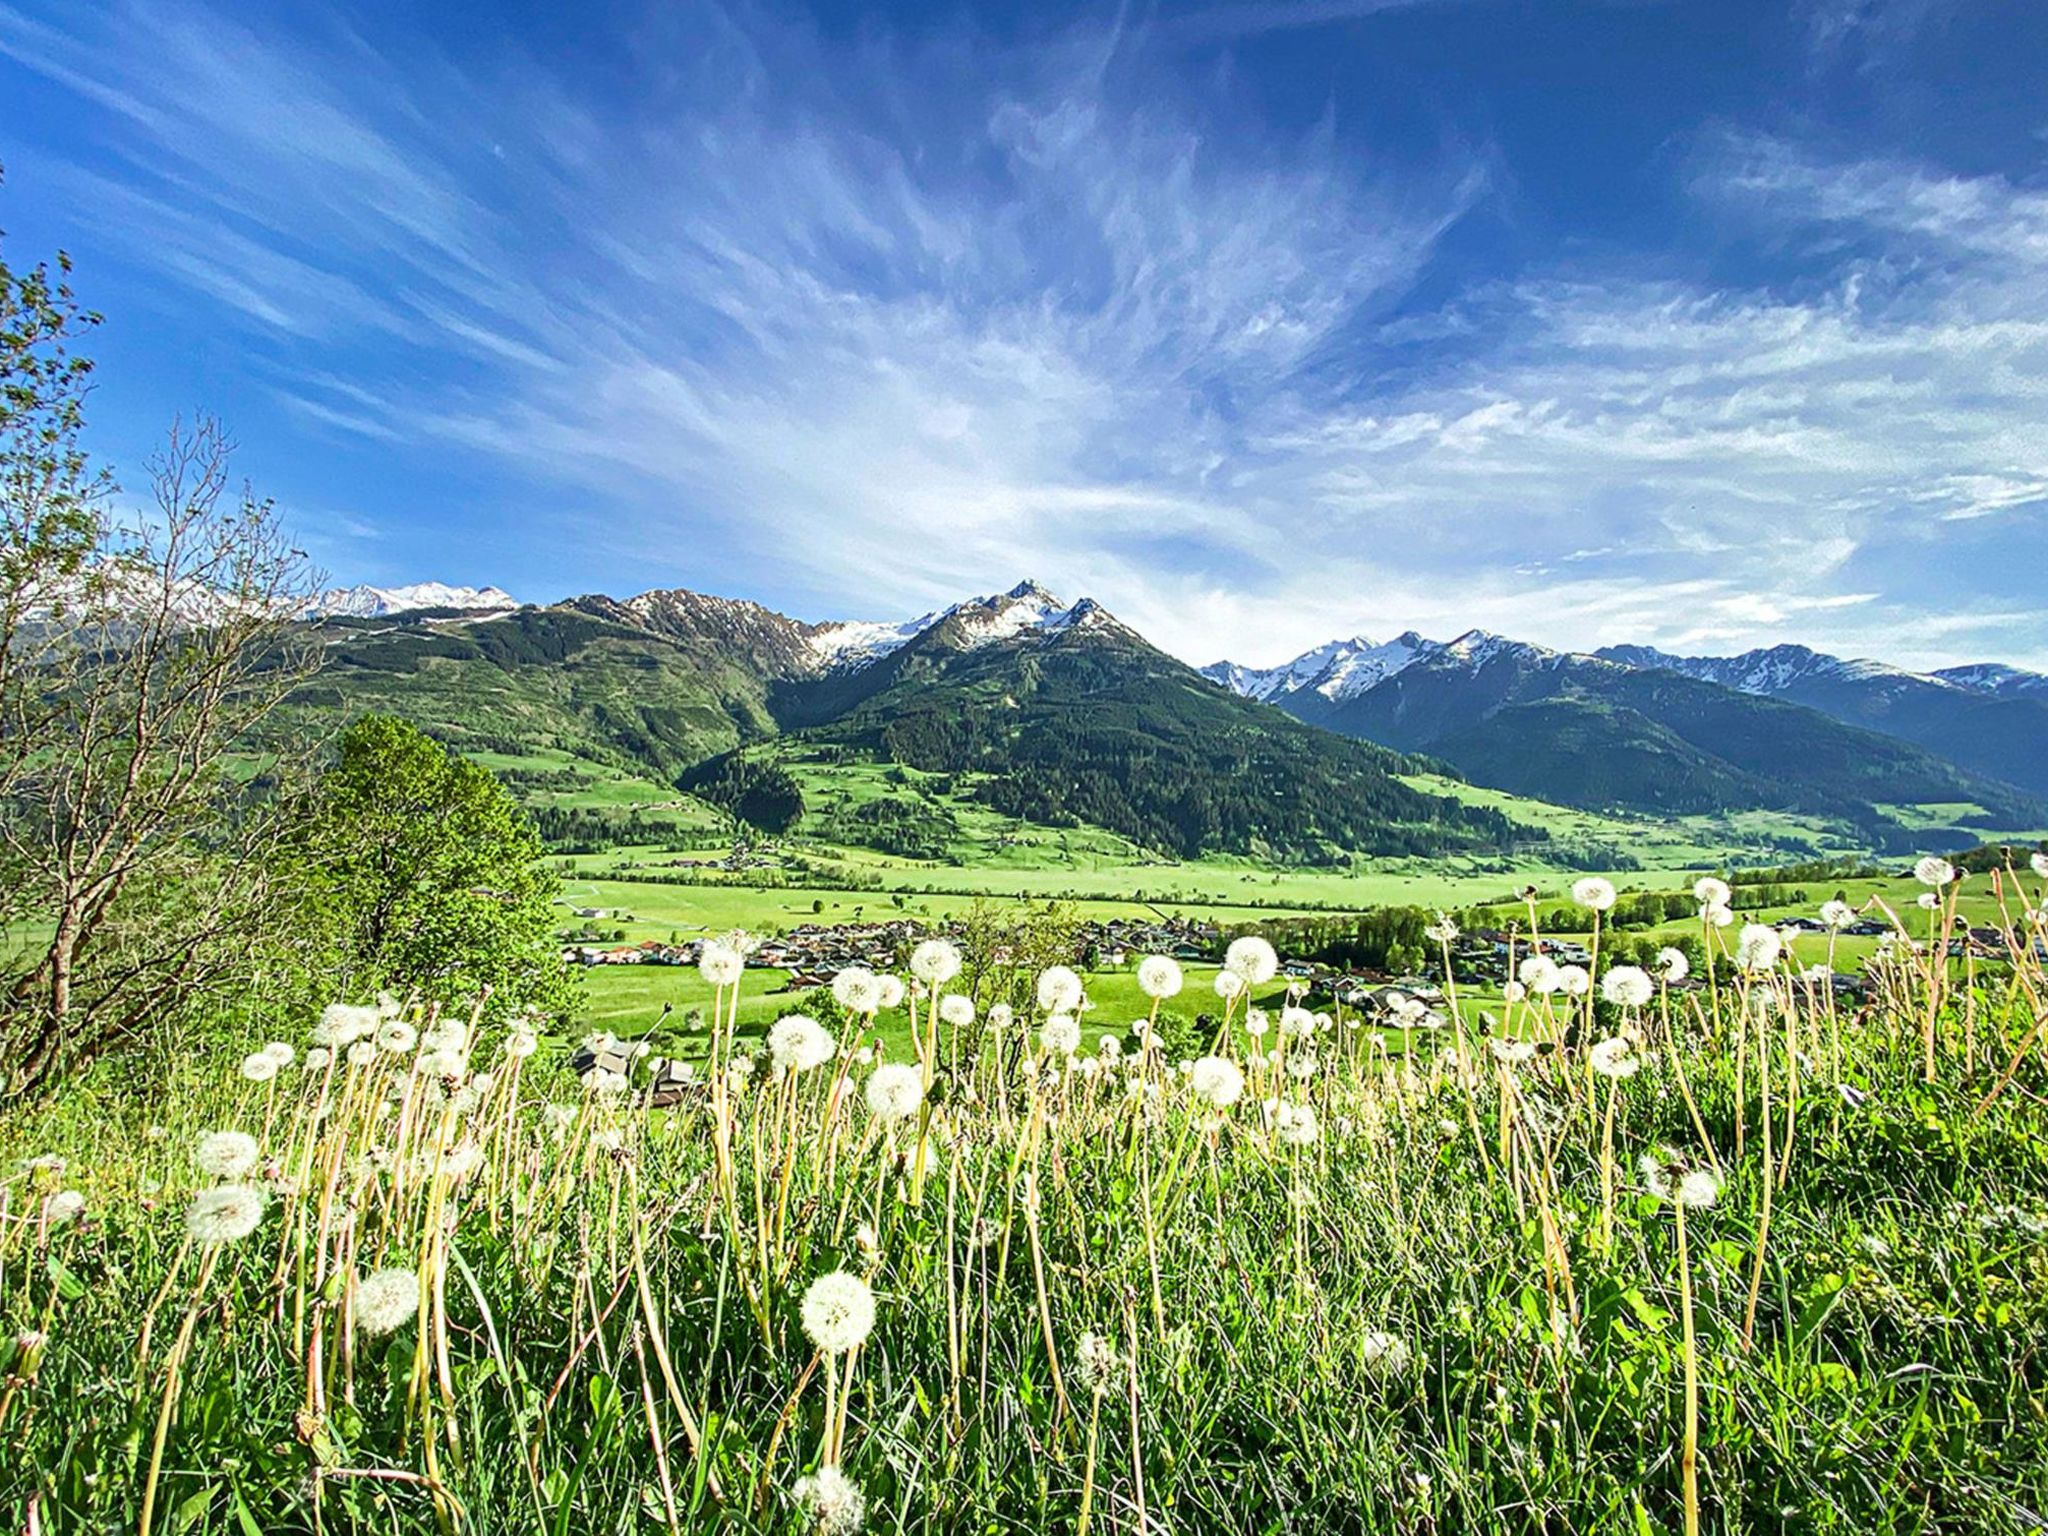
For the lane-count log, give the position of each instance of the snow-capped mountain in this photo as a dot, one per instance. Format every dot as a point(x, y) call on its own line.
point(1344, 669)
point(1026, 608)
point(367, 602)
point(1770, 670)
point(1336, 670)
point(1996, 679)
point(1988, 717)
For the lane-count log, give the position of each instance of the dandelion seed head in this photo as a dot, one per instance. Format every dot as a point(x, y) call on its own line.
point(226, 1213)
point(1096, 1364)
point(1060, 1034)
point(1539, 974)
point(1573, 980)
point(1513, 1052)
point(1593, 893)
point(1927, 901)
point(226, 1154)
point(1759, 947)
point(1673, 1178)
point(1711, 892)
point(1384, 1355)
point(1000, 1017)
point(1296, 1023)
point(2039, 864)
point(386, 1300)
point(895, 1092)
point(1229, 985)
point(1442, 931)
point(1934, 871)
point(1159, 976)
point(890, 991)
point(838, 1312)
point(1059, 989)
point(1296, 1124)
point(1717, 915)
point(957, 1009)
point(1627, 986)
point(1216, 1081)
point(362, 1053)
point(65, 1205)
point(259, 1066)
point(343, 1024)
point(1672, 965)
point(857, 989)
point(797, 1043)
point(396, 1036)
point(720, 964)
point(520, 1044)
point(833, 1501)
point(935, 962)
point(1252, 958)
point(1837, 914)
point(1615, 1057)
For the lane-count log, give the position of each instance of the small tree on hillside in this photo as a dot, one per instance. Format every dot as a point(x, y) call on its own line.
point(137, 658)
point(432, 875)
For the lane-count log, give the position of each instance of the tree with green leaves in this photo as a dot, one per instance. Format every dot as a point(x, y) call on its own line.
point(139, 655)
point(432, 876)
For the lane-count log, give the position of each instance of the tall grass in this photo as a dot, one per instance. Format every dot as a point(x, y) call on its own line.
point(1736, 1258)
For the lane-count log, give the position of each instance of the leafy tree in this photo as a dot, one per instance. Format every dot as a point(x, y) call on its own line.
point(432, 875)
point(138, 655)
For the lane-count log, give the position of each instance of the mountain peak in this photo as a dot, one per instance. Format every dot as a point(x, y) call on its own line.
point(368, 602)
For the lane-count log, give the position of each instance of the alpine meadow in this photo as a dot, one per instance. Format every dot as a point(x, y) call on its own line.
point(617, 1037)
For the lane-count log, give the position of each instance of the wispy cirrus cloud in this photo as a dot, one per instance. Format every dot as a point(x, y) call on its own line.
point(862, 325)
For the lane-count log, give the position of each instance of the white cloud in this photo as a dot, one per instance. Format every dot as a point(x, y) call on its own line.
point(863, 327)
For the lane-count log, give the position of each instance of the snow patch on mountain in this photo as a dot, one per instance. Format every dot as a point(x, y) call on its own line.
point(1025, 609)
point(367, 602)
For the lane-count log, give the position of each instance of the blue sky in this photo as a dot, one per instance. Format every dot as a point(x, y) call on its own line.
point(1701, 323)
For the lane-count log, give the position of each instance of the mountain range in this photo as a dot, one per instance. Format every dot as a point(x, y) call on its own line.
point(1638, 729)
point(1051, 712)
point(1058, 713)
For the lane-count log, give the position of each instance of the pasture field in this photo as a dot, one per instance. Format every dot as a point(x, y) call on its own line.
point(1745, 1264)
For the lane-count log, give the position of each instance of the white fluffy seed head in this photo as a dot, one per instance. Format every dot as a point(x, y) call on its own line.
point(386, 1300)
point(1216, 1081)
point(1672, 1178)
point(1252, 958)
point(1229, 985)
point(1593, 893)
point(1711, 892)
point(1539, 974)
point(895, 1092)
point(798, 1042)
point(833, 1501)
point(957, 1009)
point(343, 1024)
point(935, 962)
point(838, 1312)
point(1934, 871)
point(226, 1213)
point(720, 963)
point(1384, 1355)
point(226, 1154)
point(1627, 986)
point(1837, 914)
point(1615, 1058)
point(2039, 863)
point(1759, 947)
point(857, 989)
point(1060, 1034)
point(1059, 989)
point(259, 1066)
point(1159, 976)
point(1672, 965)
